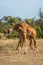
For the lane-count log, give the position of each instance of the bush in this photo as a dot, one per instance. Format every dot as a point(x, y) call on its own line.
point(41, 34)
point(38, 30)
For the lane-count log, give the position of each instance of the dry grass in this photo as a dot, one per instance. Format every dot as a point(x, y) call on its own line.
point(9, 56)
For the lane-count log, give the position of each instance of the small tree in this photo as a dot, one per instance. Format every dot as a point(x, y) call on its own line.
point(38, 30)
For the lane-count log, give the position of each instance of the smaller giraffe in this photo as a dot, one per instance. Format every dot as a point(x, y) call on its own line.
point(22, 34)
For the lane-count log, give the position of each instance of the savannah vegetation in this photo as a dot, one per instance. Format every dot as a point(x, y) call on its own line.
point(8, 54)
point(7, 21)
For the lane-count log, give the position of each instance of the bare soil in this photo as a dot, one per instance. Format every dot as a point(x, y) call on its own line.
point(10, 56)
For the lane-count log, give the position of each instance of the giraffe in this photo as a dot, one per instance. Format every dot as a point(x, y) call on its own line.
point(30, 34)
point(25, 31)
point(22, 35)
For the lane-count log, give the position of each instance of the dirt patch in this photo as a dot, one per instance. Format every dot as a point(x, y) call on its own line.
point(9, 56)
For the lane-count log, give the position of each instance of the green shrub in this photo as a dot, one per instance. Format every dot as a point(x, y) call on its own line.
point(41, 34)
point(38, 30)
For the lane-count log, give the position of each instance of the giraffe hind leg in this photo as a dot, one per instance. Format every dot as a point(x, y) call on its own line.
point(35, 46)
point(30, 45)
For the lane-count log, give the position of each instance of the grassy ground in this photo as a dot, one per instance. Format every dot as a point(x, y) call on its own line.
point(9, 56)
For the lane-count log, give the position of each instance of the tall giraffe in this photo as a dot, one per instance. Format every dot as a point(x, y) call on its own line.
point(25, 31)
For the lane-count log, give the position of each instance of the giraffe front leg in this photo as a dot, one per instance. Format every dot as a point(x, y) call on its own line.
point(18, 44)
